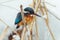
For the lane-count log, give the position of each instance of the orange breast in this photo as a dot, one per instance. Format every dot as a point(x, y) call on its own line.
point(28, 20)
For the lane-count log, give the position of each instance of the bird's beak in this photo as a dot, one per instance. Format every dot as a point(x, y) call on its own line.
point(36, 15)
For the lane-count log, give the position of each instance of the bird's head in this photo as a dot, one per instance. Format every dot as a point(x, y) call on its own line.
point(30, 10)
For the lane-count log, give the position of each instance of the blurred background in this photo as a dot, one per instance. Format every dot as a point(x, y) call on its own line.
point(9, 10)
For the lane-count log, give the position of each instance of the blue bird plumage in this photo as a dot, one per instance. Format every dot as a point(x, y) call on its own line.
point(30, 10)
point(19, 16)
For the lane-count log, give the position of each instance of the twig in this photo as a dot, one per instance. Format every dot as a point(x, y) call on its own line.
point(50, 4)
point(24, 30)
point(4, 33)
point(36, 9)
point(47, 23)
point(5, 30)
point(53, 14)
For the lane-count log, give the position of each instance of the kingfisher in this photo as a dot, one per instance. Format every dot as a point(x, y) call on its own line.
point(28, 16)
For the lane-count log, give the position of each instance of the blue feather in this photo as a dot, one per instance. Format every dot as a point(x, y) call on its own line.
point(18, 18)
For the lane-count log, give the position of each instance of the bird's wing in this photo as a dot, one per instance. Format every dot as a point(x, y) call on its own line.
point(18, 18)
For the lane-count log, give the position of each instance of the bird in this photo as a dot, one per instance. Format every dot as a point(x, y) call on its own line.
point(28, 15)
